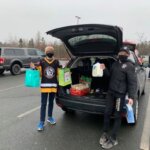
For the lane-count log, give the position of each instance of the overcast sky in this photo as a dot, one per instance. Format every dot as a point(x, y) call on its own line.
point(24, 18)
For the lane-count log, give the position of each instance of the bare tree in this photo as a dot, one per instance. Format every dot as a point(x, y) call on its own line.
point(20, 42)
point(37, 39)
point(31, 43)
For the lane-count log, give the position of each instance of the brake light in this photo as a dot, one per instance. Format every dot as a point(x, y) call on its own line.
point(2, 60)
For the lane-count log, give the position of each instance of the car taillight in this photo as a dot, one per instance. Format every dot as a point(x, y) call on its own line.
point(2, 60)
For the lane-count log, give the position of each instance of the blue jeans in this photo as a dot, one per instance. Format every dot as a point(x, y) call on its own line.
point(44, 96)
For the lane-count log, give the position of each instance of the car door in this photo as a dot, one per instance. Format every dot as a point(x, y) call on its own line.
point(140, 71)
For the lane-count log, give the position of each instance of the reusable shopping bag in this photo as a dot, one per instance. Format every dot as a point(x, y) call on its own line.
point(64, 76)
point(32, 78)
point(130, 114)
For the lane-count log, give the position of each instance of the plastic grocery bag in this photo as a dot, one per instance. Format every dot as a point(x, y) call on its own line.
point(32, 78)
point(97, 71)
point(84, 79)
point(64, 76)
point(130, 114)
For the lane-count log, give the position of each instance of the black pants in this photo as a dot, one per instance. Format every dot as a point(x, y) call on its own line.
point(115, 103)
point(44, 97)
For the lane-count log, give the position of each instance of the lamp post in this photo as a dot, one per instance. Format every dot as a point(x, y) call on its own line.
point(77, 17)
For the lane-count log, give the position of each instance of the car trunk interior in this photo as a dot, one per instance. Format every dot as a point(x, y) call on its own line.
point(82, 67)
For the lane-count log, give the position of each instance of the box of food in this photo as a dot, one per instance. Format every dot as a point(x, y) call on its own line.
point(79, 89)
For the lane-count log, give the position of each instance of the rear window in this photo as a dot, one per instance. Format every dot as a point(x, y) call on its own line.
point(13, 52)
point(79, 40)
point(9, 52)
point(93, 44)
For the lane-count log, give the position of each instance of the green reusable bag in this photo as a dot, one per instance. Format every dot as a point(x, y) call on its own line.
point(64, 76)
point(32, 78)
point(84, 79)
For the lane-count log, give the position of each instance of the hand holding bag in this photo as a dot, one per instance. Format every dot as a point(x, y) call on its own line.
point(130, 114)
point(64, 76)
point(32, 78)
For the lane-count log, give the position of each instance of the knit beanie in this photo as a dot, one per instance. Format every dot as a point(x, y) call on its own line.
point(49, 49)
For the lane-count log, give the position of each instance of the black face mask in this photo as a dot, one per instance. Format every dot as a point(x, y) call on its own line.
point(50, 55)
point(123, 58)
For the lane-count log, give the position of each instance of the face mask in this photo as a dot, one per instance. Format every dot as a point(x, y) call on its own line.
point(123, 58)
point(50, 55)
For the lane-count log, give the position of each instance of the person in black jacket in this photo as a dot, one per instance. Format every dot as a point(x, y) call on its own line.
point(123, 81)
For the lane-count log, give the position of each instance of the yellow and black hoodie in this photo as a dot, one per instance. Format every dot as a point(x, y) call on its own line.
point(49, 70)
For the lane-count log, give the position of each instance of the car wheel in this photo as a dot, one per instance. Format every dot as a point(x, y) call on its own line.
point(2, 71)
point(15, 69)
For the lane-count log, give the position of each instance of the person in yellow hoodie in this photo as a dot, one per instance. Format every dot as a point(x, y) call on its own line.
point(48, 67)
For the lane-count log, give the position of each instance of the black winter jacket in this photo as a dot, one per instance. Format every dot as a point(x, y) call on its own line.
point(123, 79)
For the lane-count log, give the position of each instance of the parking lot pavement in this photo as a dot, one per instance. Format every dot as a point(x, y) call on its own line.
point(19, 114)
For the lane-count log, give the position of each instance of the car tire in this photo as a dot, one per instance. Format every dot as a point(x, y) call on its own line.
point(15, 69)
point(2, 71)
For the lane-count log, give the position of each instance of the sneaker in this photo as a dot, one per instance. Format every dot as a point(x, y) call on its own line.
point(103, 138)
point(51, 120)
point(40, 126)
point(110, 143)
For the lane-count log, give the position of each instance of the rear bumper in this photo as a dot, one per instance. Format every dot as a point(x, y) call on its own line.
point(84, 104)
point(4, 67)
point(1, 67)
point(81, 105)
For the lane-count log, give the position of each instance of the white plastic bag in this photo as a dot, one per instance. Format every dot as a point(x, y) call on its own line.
point(130, 114)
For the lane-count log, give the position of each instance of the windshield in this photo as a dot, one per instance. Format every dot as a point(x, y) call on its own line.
point(130, 46)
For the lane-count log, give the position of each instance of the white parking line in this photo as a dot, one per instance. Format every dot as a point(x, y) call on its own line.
point(12, 88)
point(28, 112)
point(145, 139)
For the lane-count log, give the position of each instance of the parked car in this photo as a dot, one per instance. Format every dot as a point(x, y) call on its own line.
point(132, 47)
point(14, 59)
point(87, 43)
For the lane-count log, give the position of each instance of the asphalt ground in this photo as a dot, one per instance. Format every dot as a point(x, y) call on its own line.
point(19, 115)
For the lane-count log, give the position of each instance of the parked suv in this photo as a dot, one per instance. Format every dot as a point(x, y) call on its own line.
point(14, 59)
point(86, 44)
